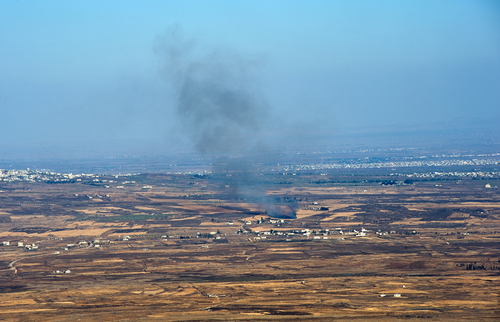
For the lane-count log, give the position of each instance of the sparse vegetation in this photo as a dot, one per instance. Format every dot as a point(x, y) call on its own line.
point(214, 252)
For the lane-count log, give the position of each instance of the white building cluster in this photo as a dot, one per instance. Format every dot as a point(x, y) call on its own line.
point(437, 174)
point(388, 164)
point(41, 176)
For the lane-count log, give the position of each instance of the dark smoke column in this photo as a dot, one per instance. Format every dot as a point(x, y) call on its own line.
point(217, 102)
point(220, 108)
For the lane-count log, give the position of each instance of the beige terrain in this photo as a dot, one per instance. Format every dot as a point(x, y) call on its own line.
point(352, 253)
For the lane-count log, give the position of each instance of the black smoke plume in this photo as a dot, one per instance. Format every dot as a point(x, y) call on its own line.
point(220, 107)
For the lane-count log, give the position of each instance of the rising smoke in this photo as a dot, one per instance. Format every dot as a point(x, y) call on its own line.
point(219, 106)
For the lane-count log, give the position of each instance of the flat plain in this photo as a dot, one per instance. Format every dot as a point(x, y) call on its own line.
point(181, 248)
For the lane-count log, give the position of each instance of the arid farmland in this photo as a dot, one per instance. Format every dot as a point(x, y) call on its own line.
point(181, 249)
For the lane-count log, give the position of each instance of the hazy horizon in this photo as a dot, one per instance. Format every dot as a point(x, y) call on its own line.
point(94, 76)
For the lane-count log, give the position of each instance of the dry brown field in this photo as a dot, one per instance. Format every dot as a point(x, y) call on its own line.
point(183, 251)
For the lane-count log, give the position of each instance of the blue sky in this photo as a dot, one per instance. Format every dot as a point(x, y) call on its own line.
point(88, 71)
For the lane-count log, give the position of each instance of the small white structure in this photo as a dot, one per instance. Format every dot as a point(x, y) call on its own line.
point(6, 243)
point(67, 271)
point(382, 295)
point(397, 294)
point(20, 244)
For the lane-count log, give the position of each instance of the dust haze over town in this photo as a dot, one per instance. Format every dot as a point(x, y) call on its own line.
point(205, 159)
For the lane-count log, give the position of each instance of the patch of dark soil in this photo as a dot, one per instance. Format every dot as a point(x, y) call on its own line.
point(185, 223)
point(439, 225)
point(193, 241)
point(385, 213)
point(406, 265)
point(221, 241)
point(343, 305)
point(11, 288)
point(126, 231)
point(5, 219)
point(30, 230)
point(61, 229)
